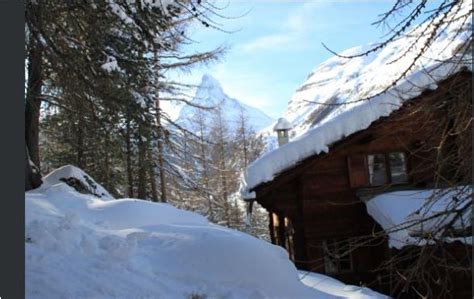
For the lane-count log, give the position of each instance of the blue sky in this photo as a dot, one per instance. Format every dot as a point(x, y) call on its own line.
point(276, 44)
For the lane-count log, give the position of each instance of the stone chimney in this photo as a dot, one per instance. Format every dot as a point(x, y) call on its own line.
point(282, 128)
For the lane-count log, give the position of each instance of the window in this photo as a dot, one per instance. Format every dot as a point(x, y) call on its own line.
point(289, 236)
point(283, 236)
point(398, 171)
point(276, 231)
point(377, 170)
point(387, 169)
point(337, 256)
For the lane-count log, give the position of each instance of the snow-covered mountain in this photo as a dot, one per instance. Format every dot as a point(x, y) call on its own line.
point(337, 85)
point(211, 95)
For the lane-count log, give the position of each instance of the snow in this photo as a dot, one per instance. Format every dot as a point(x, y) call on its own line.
point(406, 215)
point(70, 171)
point(163, 4)
point(329, 106)
point(120, 12)
point(110, 64)
point(210, 94)
point(334, 286)
point(81, 246)
point(282, 124)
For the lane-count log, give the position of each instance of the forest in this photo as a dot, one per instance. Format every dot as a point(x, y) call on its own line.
point(94, 88)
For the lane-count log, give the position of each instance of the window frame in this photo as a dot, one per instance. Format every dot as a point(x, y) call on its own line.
point(388, 168)
point(289, 238)
point(387, 177)
point(283, 233)
point(335, 243)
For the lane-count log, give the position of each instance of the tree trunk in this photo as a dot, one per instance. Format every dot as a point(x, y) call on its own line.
point(223, 170)
point(160, 137)
point(129, 158)
point(33, 102)
point(152, 176)
point(142, 169)
point(107, 167)
point(80, 136)
point(32, 115)
point(204, 167)
point(32, 175)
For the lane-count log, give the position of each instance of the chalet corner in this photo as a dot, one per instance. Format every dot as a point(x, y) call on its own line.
point(318, 207)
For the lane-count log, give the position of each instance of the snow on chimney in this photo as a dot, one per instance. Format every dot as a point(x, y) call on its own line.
point(282, 128)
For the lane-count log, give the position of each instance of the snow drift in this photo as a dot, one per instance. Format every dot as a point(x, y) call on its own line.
point(81, 246)
point(76, 177)
point(334, 286)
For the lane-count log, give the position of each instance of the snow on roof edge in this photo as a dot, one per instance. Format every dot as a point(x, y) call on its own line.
point(405, 214)
point(318, 139)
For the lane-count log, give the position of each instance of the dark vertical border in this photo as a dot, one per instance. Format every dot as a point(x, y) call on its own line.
point(472, 175)
point(12, 213)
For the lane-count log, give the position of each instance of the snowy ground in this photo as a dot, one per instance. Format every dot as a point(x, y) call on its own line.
point(80, 246)
point(333, 286)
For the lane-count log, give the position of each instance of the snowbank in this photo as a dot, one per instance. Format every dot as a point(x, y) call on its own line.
point(407, 215)
point(80, 246)
point(328, 106)
point(333, 286)
point(72, 172)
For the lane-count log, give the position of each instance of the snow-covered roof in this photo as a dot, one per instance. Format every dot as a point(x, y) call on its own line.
point(407, 215)
point(282, 124)
point(329, 106)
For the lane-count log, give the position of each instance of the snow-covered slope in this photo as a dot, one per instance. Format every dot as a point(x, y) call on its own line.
point(211, 94)
point(329, 105)
point(80, 246)
point(344, 81)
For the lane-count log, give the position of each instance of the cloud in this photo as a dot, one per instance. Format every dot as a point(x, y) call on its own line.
point(292, 33)
point(269, 42)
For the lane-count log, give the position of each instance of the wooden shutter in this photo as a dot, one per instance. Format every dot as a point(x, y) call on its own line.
point(358, 171)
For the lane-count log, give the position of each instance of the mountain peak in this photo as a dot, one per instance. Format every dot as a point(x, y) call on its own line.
point(207, 79)
point(209, 88)
point(211, 94)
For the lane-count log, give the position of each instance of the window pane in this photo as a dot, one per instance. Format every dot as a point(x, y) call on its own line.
point(289, 233)
point(275, 229)
point(337, 257)
point(330, 262)
point(345, 264)
point(398, 168)
point(377, 171)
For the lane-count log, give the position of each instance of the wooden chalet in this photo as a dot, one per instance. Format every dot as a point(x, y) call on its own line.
point(317, 207)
